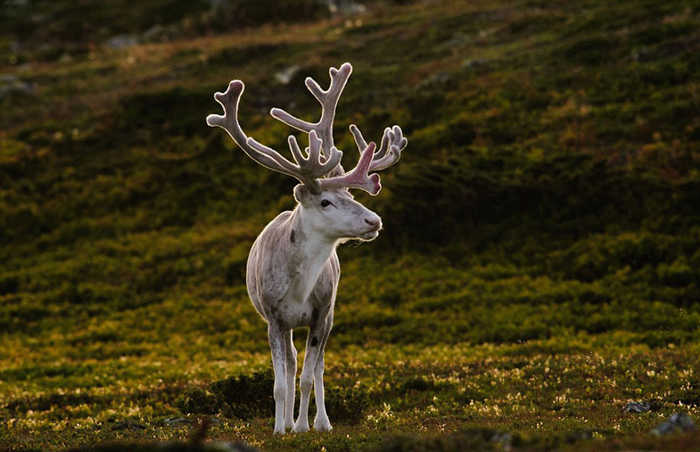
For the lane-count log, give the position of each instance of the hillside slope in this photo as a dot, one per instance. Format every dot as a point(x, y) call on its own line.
point(545, 208)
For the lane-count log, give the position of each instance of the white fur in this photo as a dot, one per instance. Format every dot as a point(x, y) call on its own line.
point(293, 269)
point(293, 284)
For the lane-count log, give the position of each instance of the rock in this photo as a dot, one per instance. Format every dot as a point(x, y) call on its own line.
point(640, 54)
point(345, 7)
point(503, 439)
point(458, 40)
point(156, 33)
point(225, 446)
point(122, 41)
point(8, 79)
point(678, 422)
point(176, 421)
point(471, 64)
point(579, 435)
point(285, 76)
point(11, 85)
point(214, 4)
point(438, 78)
point(637, 407)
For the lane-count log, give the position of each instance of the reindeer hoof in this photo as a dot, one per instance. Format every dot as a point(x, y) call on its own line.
point(322, 425)
point(301, 427)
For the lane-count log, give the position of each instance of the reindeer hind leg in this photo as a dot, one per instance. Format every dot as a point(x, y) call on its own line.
point(291, 361)
point(279, 366)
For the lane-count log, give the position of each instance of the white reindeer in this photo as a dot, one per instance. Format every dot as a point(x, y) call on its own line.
point(293, 269)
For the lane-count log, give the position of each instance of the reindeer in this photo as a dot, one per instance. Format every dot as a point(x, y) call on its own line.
point(293, 270)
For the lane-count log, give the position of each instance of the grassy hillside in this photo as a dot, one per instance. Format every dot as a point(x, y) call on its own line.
point(539, 267)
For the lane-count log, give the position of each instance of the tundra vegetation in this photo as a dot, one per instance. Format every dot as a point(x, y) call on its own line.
point(539, 266)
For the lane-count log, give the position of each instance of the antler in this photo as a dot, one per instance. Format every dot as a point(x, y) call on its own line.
point(322, 157)
point(393, 142)
point(306, 170)
point(328, 100)
point(358, 177)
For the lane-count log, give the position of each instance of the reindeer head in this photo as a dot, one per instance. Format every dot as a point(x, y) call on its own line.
point(323, 193)
point(335, 215)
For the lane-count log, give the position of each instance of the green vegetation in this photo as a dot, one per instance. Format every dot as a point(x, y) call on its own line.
point(539, 267)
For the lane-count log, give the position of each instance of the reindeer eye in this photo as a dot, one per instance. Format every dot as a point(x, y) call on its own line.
point(325, 203)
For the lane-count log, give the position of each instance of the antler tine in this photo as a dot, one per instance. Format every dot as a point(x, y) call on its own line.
point(358, 177)
point(258, 152)
point(391, 154)
point(311, 166)
point(294, 147)
point(314, 149)
point(282, 164)
point(315, 88)
point(325, 163)
point(393, 142)
point(328, 100)
point(292, 121)
point(386, 138)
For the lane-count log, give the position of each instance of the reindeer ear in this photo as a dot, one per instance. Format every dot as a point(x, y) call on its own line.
point(302, 194)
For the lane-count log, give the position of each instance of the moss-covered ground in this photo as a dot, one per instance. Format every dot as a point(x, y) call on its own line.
point(539, 266)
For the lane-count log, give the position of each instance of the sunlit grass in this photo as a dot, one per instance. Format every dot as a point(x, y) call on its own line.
point(538, 267)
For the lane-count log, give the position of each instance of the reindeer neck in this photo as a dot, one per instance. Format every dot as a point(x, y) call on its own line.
point(309, 245)
point(309, 252)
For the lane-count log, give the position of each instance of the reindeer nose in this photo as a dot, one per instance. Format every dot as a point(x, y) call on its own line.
point(373, 222)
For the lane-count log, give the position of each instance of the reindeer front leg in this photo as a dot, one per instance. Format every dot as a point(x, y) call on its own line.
point(314, 341)
point(321, 422)
point(306, 381)
point(279, 365)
